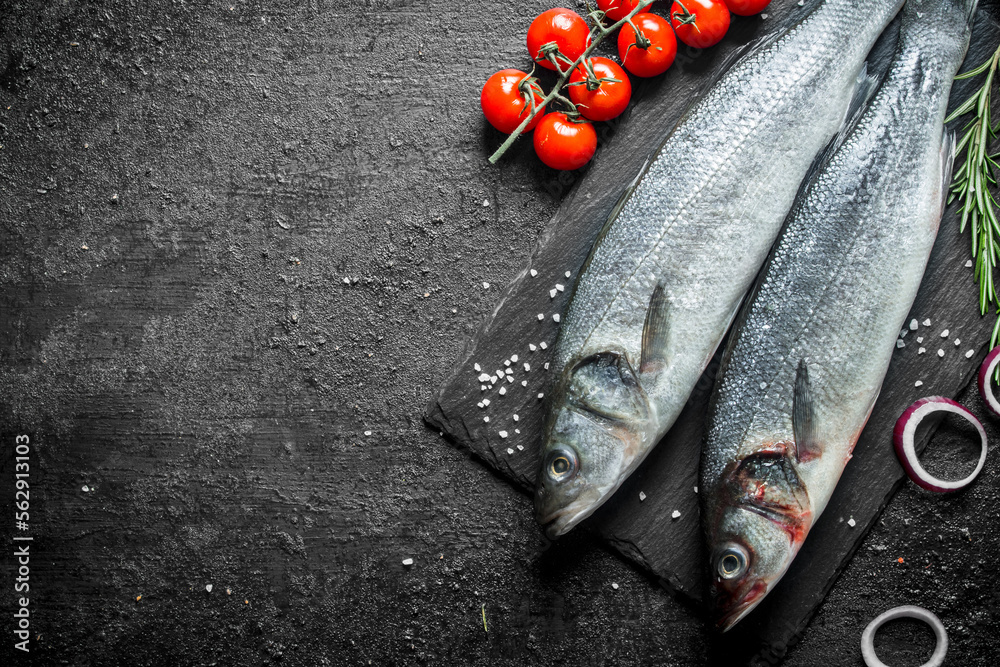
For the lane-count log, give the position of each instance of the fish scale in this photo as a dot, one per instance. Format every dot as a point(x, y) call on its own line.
point(699, 224)
point(820, 329)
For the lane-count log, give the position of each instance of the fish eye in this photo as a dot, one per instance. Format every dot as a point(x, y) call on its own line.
point(561, 464)
point(732, 562)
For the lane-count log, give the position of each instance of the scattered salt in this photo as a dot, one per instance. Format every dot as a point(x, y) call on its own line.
point(480, 405)
point(567, 274)
point(540, 395)
point(546, 366)
point(958, 341)
point(503, 390)
point(509, 451)
point(534, 273)
point(509, 371)
point(506, 362)
point(532, 347)
point(493, 379)
point(541, 317)
point(968, 264)
point(484, 377)
point(510, 378)
point(944, 334)
point(543, 345)
point(902, 334)
point(927, 322)
point(486, 401)
point(920, 339)
point(560, 287)
point(696, 489)
point(614, 586)
point(900, 343)
point(347, 281)
point(407, 562)
point(486, 419)
point(516, 417)
point(486, 285)
point(921, 350)
point(517, 430)
point(486, 203)
point(208, 587)
point(555, 317)
point(482, 387)
point(503, 434)
point(763, 17)
point(527, 367)
point(477, 367)
point(851, 522)
point(940, 352)
point(520, 448)
point(918, 383)
point(968, 355)
point(552, 294)
point(914, 324)
point(524, 383)
point(676, 514)
point(368, 432)
point(642, 496)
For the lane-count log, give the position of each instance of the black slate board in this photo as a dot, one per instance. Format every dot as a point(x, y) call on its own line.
point(642, 530)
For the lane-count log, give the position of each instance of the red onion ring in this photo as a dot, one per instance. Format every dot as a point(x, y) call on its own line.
point(903, 440)
point(908, 611)
point(985, 386)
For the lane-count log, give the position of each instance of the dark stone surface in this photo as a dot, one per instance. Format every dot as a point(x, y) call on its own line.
point(183, 190)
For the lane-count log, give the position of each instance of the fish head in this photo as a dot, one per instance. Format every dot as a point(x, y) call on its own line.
point(599, 423)
point(755, 532)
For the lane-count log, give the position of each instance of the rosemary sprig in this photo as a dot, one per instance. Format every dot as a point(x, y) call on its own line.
point(972, 181)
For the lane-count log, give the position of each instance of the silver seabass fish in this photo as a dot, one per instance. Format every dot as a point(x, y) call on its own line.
point(812, 346)
point(668, 272)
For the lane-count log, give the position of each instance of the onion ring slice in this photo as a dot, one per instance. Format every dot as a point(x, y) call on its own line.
point(903, 440)
point(907, 611)
point(985, 386)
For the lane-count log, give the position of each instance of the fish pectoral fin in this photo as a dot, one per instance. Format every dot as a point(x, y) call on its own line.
point(654, 332)
point(807, 445)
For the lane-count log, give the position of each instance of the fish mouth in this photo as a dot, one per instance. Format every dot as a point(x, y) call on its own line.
point(747, 602)
point(564, 519)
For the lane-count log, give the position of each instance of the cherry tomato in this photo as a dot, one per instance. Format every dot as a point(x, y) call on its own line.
point(504, 104)
point(608, 98)
point(656, 54)
point(700, 23)
point(616, 10)
point(747, 7)
point(564, 27)
point(565, 144)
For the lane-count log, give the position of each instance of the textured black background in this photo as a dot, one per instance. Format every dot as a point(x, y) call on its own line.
point(184, 188)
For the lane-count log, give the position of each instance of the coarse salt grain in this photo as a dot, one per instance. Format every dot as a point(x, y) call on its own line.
point(520, 448)
point(482, 387)
point(541, 395)
point(486, 419)
point(918, 383)
point(676, 514)
point(509, 451)
point(560, 287)
point(614, 586)
point(914, 324)
point(516, 417)
point(552, 294)
point(546, 366)
point(543, 345)
point(921, 350)
point(944, 334)
point(541, 316)
point(368, 432)
point(509, 371)
point(696, 489)
point(642, 496)
point(927, 322)
point(518, 431)
point(533, 273)
point(851, 522)
point(555, 317)
point(503, 434)
point(513, 358)
point(486, 401)
point(510, 378)
point(940, 352)
point(900, 343)
point(407, 562)
point(567, 274)
point(920, 339)
point(484, 377)
point(480, 405)
point(527, 367)
point(477, 367)
point(486, 285)
point(902, 333)
point(968, 264)
point(493, 379)
point(524, 383)
point(968, 355)
point(958, 341)
point(532, 347)
point(503, 390)
point(506, 362)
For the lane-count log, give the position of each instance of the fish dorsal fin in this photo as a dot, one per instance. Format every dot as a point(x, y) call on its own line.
point(654, 332)
point(803, 416)
point(947, 164)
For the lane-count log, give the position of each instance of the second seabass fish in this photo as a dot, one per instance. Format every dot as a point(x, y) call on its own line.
point(665, 278)
point(813, 344)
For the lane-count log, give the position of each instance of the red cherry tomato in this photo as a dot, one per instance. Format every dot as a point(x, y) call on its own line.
point(655, 54)
point(747, 7)
point(564, 144)
point(564, 27)
point(616, 10)
point(700, 23)
point(608, 98)
point(504, 104)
